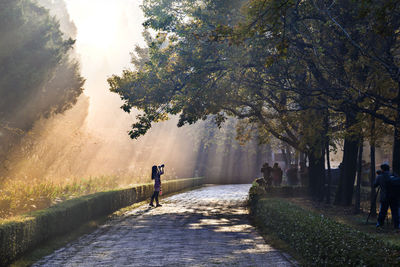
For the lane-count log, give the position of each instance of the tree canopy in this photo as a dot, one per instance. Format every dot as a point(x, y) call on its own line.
point(310, 73)
point(38, 75)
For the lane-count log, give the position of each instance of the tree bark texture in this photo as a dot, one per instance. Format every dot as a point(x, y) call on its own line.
point(359, 176)
point(396, 149)
point(344, 194)
point(396, 141)
point(288, 156)
point(316, 170)
point(372, 209)
point(284, 155)
point(329, 178)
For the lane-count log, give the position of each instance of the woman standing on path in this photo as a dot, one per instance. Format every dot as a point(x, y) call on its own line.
point(156, 173)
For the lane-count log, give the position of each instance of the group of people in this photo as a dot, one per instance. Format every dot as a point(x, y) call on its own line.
point(272, 175)
point(389, 185)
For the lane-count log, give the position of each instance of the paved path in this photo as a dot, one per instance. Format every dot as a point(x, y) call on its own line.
point(204, 227)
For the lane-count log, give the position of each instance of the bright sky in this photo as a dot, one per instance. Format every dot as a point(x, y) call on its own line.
point(107, 32)
point(102, 24)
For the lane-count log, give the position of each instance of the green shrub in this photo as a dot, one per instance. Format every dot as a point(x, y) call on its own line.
point(319, 240)
point(25, 232)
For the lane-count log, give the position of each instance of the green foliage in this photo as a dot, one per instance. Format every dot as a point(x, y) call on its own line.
point(307, 73)
point(58, 9)
point(259, 60)
point(31, 47)
point(321, 241)
point(194, 71)
point(23, 233)
point(38, 77)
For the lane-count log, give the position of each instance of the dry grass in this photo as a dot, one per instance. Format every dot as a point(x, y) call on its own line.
point(21, 196)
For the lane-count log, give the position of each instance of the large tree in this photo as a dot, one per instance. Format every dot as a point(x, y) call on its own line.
point(350, 49)
point(298, 69)
point(194, 72)
point(38, 77)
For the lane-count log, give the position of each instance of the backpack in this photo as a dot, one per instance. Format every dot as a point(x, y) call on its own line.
point(394, 185)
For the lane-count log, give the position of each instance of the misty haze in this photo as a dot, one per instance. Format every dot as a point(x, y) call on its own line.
point(199, 133)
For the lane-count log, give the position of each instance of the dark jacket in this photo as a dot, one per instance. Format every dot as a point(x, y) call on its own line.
point(389, 185)
point(395, 183)
point(157, 180)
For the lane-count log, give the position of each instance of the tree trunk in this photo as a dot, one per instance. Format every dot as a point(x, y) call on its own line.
point(259, 160)
point(288, 156)
point(316, 170)
point(396, 141)
point(200, 169)
point(302, 157)
point(284, 155)
point(359, 176)
point(269, 154)
point(328, 160)
point(345, 190)
point(344, 194)
point(329, 178)
point(396, 148)
point(372, 209)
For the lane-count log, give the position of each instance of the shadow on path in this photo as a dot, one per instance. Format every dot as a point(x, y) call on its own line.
point(204, 227)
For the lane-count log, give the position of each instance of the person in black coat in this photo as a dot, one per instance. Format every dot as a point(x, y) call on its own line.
point(266, 171)
point(388, 197)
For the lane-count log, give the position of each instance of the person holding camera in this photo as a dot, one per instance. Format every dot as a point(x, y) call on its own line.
point(156, 172)
point(388, 197)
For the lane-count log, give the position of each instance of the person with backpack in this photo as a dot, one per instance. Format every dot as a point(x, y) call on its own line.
point(395, 188)
point(388, 198)
point(156, 173)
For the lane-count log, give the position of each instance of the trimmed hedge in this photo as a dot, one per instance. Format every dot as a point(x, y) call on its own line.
point(287, 191)
point(321, 241)
point(19, 236)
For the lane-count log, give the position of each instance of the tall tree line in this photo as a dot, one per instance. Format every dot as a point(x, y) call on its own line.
point(38, 75)
point(313, 74)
